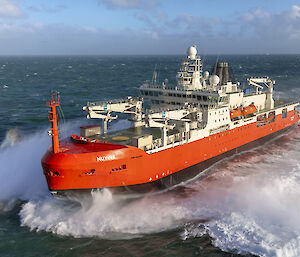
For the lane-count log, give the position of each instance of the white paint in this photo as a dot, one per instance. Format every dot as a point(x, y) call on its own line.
point(106, 158)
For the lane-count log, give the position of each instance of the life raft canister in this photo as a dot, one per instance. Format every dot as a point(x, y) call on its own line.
point(249, 110)
point(235, 113)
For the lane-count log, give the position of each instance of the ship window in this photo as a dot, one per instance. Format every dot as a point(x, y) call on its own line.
point(170, 94)
point(199, 97)
point(146, 92)
point(178, 95)
point(271, 117)
point(150, 93)
point(261, 120)
point(204, 98)
point(91, 172)
point(284, 113)
point(194, 96)
point(54, 173)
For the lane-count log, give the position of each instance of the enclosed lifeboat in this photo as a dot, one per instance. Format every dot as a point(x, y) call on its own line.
point(250, 109)
point(235, 113)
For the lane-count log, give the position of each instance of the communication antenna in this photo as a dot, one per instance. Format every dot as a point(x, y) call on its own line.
point(154, 78)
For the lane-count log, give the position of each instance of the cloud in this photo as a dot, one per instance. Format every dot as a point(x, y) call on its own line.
point(8, 9)
point(129, 4)
point(256, 31)
point(279, 28)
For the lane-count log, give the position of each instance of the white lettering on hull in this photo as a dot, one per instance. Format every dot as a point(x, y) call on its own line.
point(106, 158)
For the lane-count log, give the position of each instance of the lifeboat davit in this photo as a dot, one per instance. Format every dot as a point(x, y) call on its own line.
point(235, 113)
point(250, 109)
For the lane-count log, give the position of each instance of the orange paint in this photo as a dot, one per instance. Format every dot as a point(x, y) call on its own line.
point(249, 110)
point(97, 165)
point(53, 103)
point(235, 113)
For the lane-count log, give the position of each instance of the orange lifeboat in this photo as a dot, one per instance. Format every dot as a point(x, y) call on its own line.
point(249, 110)
point(235, 113)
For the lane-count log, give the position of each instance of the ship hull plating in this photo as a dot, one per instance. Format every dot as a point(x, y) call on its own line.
point(129, 169)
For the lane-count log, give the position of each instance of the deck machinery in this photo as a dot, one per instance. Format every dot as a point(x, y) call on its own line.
point(190, 125)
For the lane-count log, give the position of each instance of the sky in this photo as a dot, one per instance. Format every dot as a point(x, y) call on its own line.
point(63, 27)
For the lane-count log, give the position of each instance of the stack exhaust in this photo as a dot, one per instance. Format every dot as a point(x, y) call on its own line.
point(224, 72)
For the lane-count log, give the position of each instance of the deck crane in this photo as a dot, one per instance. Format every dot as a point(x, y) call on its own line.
point(104, 110)
point(261, 80)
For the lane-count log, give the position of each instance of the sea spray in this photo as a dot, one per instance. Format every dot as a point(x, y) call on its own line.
point(107, 217)
point(244, 205)
point(20, 171)
point(258, 211)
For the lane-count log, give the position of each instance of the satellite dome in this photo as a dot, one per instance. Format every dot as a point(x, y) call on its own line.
point(205, 74)
point(214, 79)
point(191, 52)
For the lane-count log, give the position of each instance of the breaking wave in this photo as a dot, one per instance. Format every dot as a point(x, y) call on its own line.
point(258, 207)
point(21, 175)
point(248, 203)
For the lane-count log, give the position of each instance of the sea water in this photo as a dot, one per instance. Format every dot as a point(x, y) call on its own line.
point(247, 204)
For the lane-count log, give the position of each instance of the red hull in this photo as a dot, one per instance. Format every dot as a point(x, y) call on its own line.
point(94, 165)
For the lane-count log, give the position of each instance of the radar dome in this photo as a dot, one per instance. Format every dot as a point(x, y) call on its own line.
point(191, 52)
point(205, 74)
point(214, 79)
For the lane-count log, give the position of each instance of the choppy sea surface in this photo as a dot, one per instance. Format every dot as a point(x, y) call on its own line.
point(248, 204)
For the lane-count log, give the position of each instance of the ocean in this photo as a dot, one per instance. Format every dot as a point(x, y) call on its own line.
point(247, 204)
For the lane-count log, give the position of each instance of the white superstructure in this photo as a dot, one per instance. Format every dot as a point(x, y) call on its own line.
point(199, 105)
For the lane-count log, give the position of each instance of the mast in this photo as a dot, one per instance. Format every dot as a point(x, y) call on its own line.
point(52, 116)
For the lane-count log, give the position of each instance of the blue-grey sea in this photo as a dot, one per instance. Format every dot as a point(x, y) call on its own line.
point(248, 204)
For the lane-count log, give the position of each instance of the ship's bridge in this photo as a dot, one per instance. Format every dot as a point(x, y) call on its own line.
point(176, 96)
point(195, 87)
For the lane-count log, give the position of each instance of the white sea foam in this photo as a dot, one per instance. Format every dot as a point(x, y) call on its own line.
point(249, 203)
point(106, 217)
point(21, 176)
point(258, 213)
